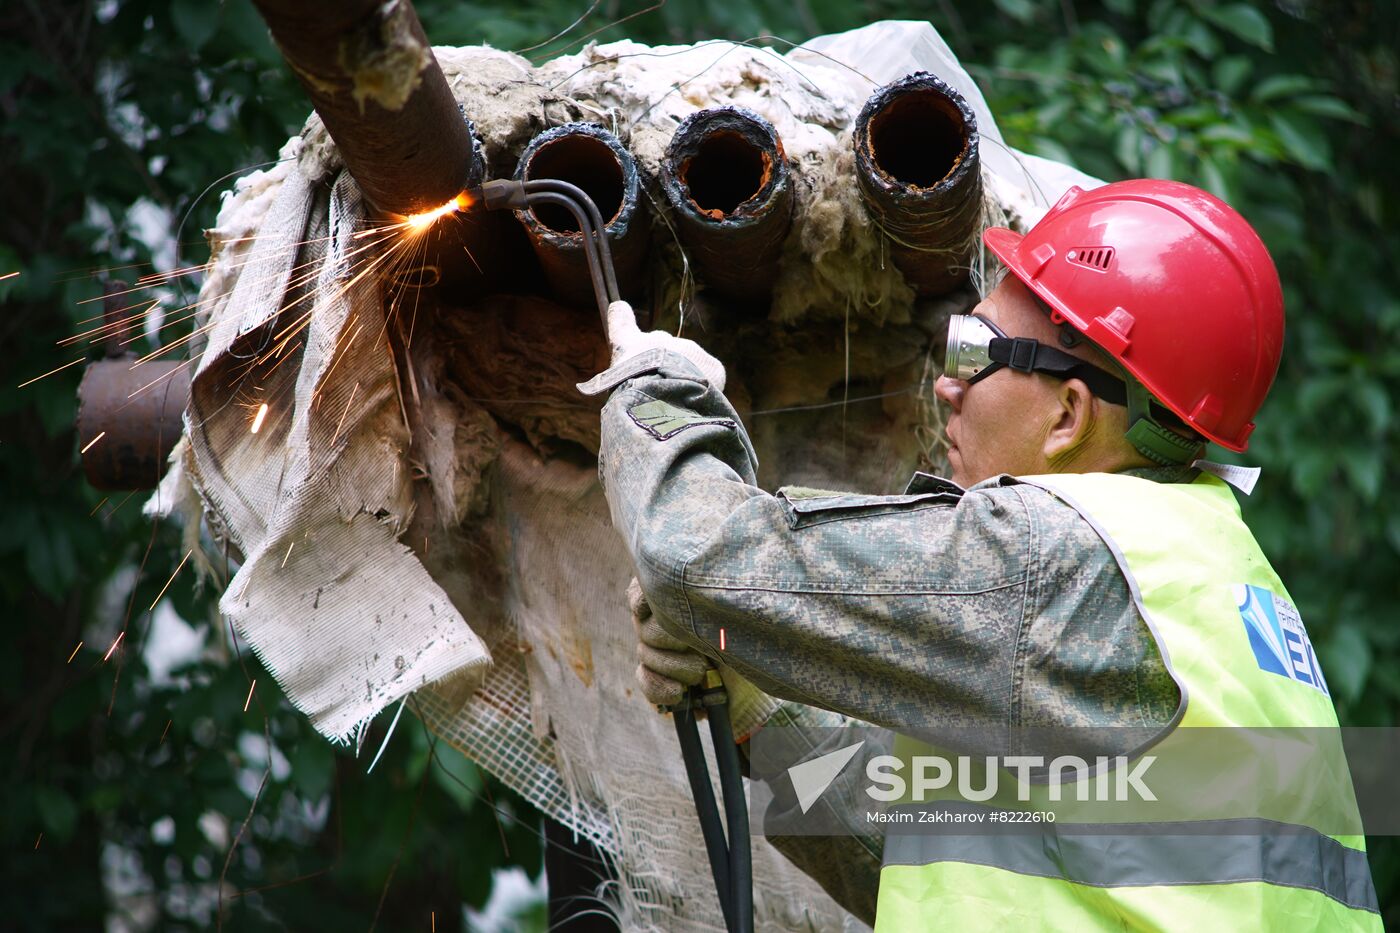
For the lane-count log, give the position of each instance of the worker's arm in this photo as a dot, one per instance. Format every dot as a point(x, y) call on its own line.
point(895, 610)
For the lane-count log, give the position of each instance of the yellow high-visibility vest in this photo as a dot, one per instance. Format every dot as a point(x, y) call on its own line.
point(1228, 633)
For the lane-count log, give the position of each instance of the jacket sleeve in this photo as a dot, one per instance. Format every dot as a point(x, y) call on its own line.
point(889, 609)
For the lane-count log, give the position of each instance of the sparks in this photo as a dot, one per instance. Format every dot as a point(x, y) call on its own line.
point(88, 445)
point(120, 636)
point(248, 702)
point(10, 275)
point(74, 654)
point(345, 412)
point(258, 418)
point(288, 554)
point(417, 222)
point(81, 359)
point(721, 639)
point(172, 578)
point(163, 731)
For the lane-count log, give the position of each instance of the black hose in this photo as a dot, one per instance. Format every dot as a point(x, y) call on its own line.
point(712, 829)
point(736, 812)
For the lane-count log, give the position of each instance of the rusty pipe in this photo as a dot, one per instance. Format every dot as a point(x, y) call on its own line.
point(918, 172)
point(373, 78)
point(590, 157)
point(726, 178)
point(129, 418)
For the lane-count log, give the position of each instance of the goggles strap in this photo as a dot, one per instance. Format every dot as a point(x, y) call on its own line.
point(1156, 443)
point(1032, 356)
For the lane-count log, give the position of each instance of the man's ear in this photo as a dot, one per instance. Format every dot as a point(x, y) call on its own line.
point(1076, 420)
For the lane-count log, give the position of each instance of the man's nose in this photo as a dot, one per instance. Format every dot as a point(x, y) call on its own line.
point(950, 390)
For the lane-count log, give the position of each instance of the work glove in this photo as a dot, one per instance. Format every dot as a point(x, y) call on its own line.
point(628, 340)
point(669, 666)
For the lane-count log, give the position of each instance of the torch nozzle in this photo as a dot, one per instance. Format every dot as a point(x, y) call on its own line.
point(501, 194)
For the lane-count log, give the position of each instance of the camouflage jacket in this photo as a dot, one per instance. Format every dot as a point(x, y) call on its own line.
point(996, 605)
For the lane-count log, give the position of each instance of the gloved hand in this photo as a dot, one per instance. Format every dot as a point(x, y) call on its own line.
point(669, 666)
point(628, 340)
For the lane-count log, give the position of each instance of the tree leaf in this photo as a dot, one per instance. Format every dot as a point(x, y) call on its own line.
point(1312, 468)
point(1303, 139)
point(1230, 73)
point(1243, 21)
point(1324, 105)
point(1128, 147)
point(1346, 661)
point(196, 21)
point(456, 775)
point(1214, 180)
point(57, 810)
point(1051, 149)
point(313, 766)
point(1276, 86)
point(1372, 398)
point(1365, 470)
point(1159, 162)
point(1022, 11)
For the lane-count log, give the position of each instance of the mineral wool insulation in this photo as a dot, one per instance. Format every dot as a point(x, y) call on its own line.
point(507, 623)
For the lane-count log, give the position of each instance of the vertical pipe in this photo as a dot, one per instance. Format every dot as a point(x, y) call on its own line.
point(593, 159)
point(919, 176)
point(727, 181)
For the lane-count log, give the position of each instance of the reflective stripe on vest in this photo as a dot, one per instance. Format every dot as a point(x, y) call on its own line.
point(1198, 578)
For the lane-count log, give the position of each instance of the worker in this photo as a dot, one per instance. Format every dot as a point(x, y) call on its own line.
point(1080, 567)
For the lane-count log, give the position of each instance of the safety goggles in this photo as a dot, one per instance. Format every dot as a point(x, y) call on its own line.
point(977, 348)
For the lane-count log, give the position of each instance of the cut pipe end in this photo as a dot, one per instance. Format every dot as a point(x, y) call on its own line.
point(725, 163)
point(919, 176)
point(725, 173)
point(591, 158)
point(917, 134)
point(726, 178)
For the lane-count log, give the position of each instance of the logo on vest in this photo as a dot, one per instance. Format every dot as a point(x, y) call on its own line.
point(1276, 634)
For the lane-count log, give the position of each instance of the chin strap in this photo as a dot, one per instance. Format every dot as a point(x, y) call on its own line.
point(1156, 443)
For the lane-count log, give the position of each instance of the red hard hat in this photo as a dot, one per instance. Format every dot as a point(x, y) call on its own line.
point(1173, 283)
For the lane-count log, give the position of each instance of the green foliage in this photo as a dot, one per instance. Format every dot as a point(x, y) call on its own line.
point(1286, 110)
point(109, 773)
